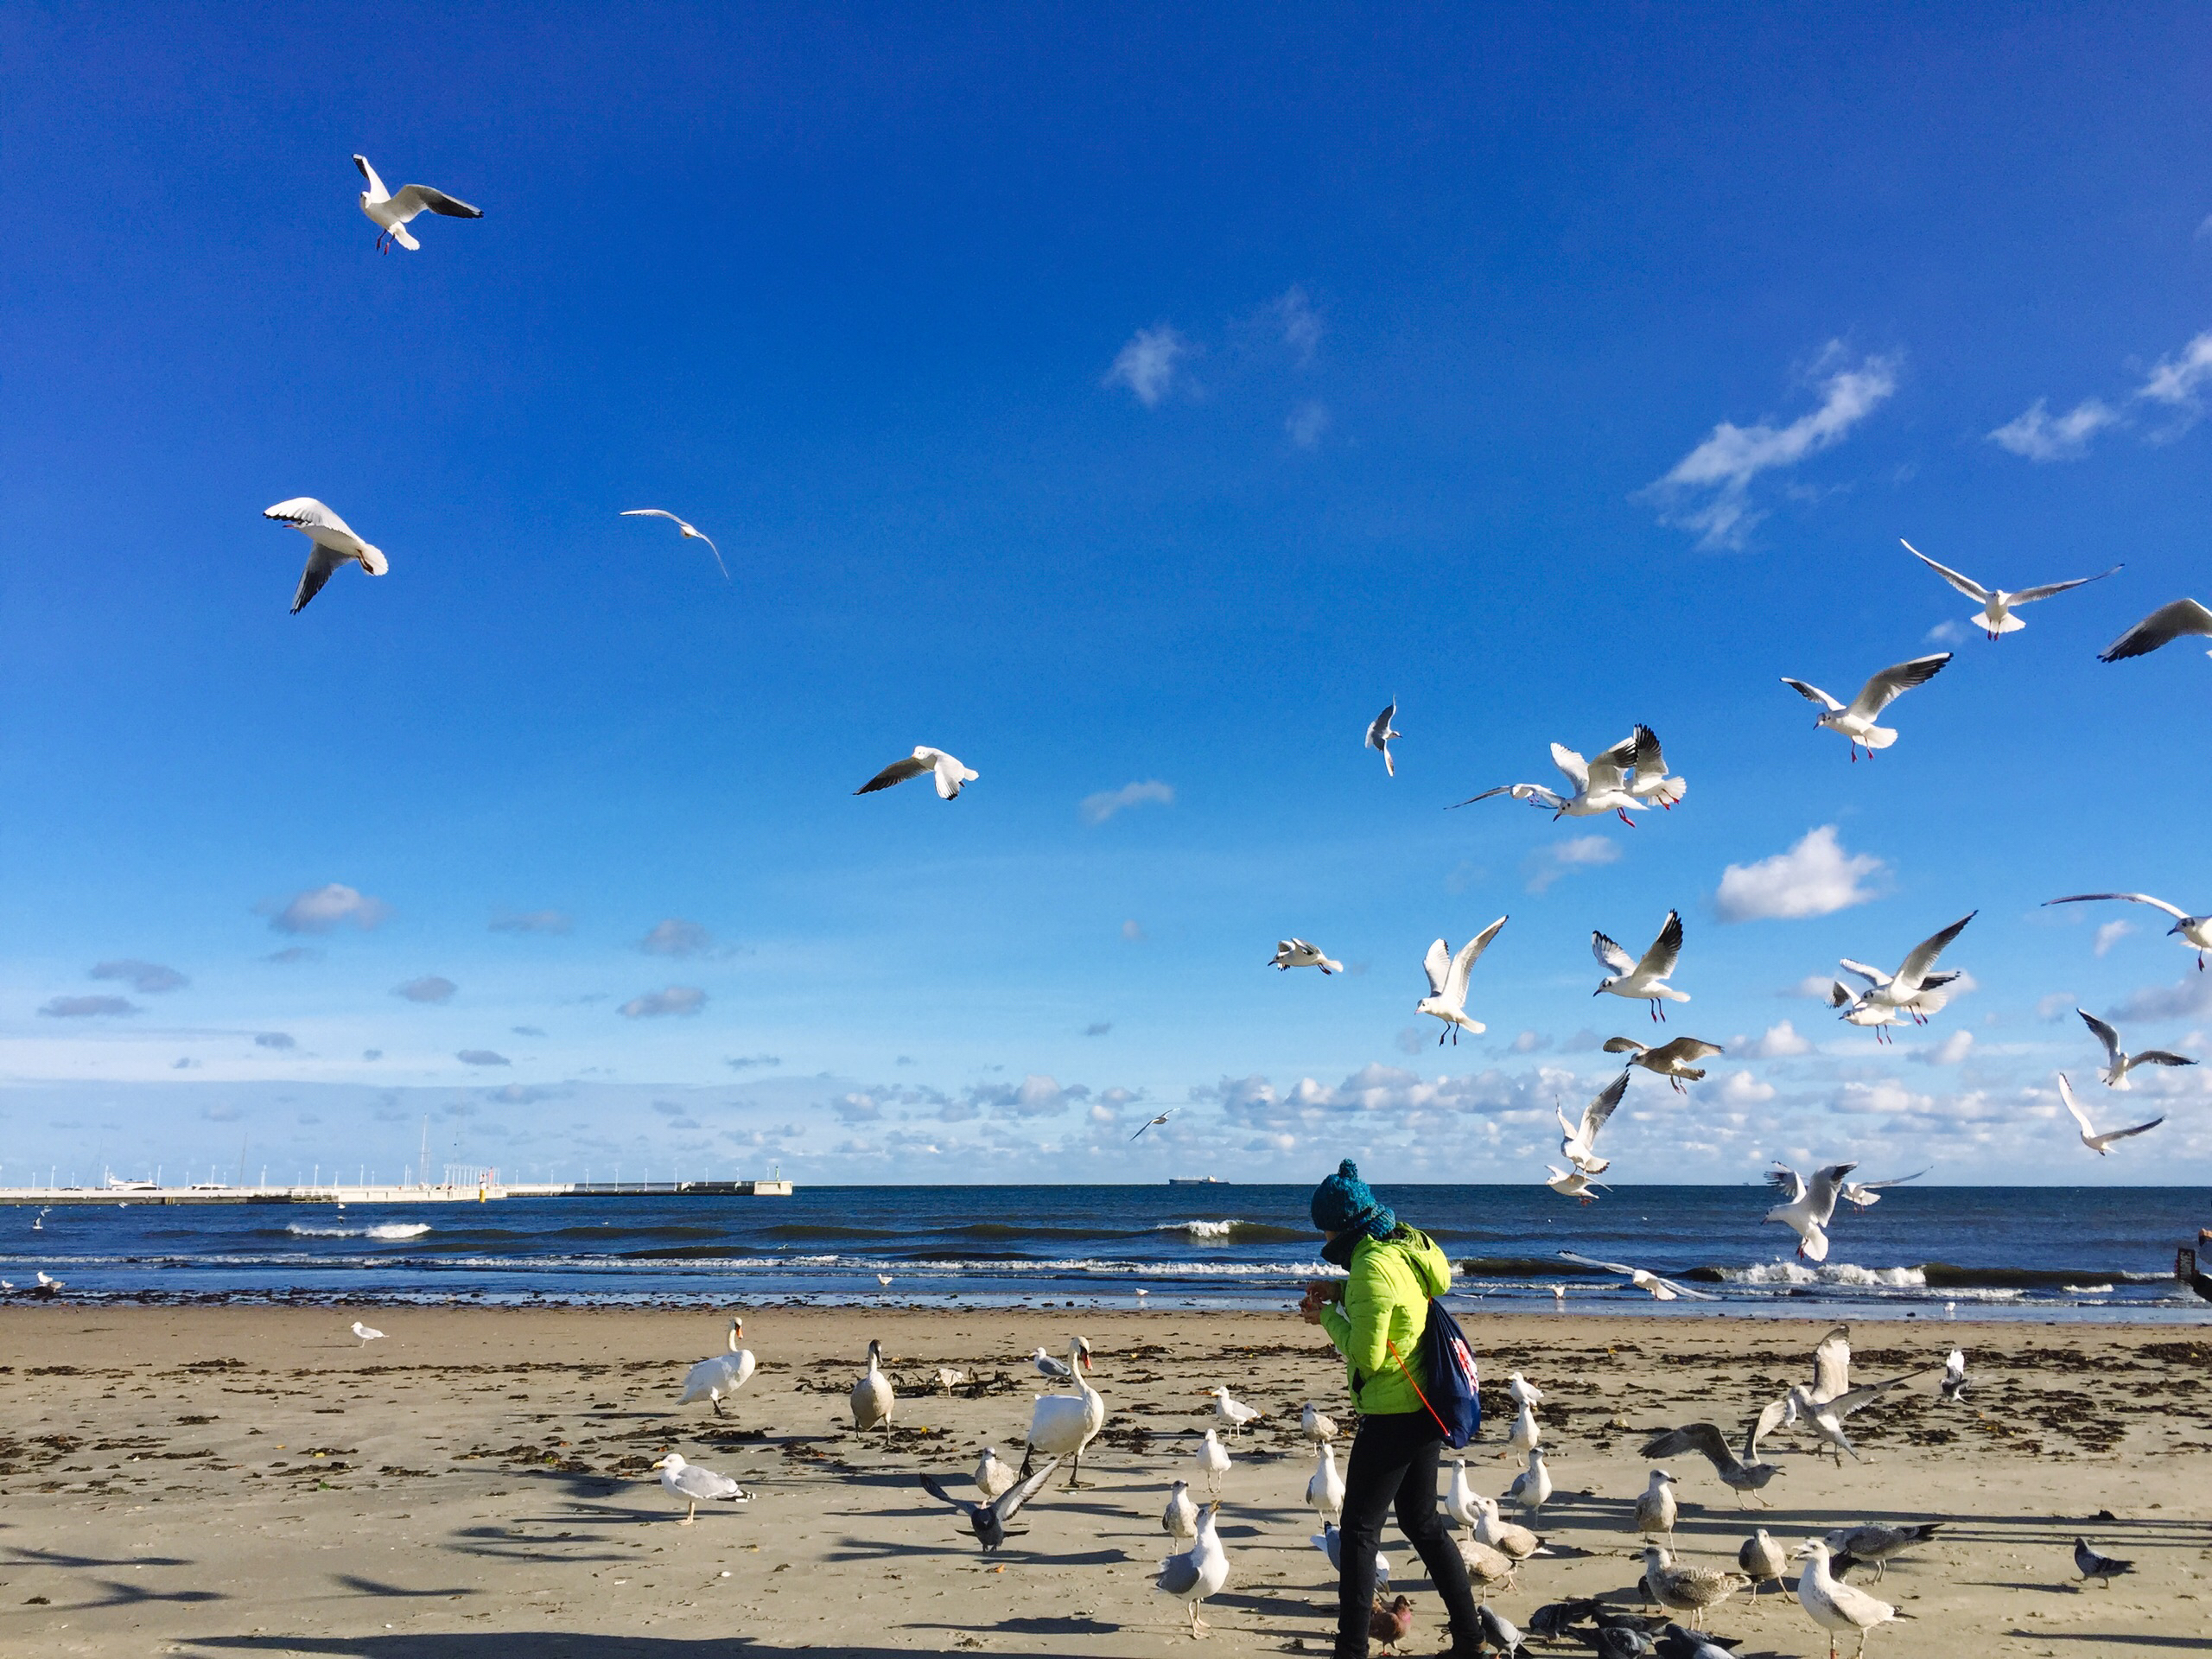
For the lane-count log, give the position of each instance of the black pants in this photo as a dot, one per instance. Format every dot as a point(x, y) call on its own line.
point(1394, 1460)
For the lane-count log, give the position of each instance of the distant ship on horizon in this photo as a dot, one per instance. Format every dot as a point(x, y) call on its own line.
point(1196, 1181)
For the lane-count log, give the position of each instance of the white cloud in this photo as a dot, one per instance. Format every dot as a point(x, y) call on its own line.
point(147, 978)
point(86, 1007)
point(2176, 380)
point(1952, 1050)
point(431, 987)
point(2191, 999)
point(674, 937)
point(1946, 634)
point(1529, 1042)
point(1777, 1042)
point(1709, 489)
point(2112, 933)
point(1814, 988)
point(1302, 324)
point(1815, 877)
point(1547, 864)
point(680, 1000)
point(2038, 436)
point(530, 921)
point(322, 910)
point(1147, 365)
point(1096, 809)
point(2054, 1006)
point(1742, 1089)
point(1307, 422)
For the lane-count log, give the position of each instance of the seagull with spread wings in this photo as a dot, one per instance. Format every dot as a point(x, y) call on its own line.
point(336, 544)
point(1996, 614)
point(2194, 930)
point(950, 775)
point(988, 1521)
point(689, 534)
point(1830, 1398)
point(1299, 953)
point(1638, 754)
point(2161, 627)
point(2100, 1144)
point(1808, 1206)
point(1745, 1475)
point(1862, 1195)
point(1153, 1122)
point(1570, 1183)
point(1379, 735)
point(1580, 1147)
point(390, 211)
point(1673, 1061)
point(1643, 979)
point(1856, 721)
point(2118, 1062)
point(1600, 787)
point(1448, 983)
point(1662, 1290)
point(1915, 990)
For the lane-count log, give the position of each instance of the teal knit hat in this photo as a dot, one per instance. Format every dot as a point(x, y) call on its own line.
point(1344, 1203)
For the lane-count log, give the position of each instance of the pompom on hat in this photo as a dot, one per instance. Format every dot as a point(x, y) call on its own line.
point(1345, 1203)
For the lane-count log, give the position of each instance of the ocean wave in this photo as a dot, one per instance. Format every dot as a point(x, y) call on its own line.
point(1233, 1230)
point(381, 1229)
point(1832, 1273)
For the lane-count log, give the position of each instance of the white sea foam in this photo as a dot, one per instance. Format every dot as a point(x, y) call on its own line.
point(2087, 1290)
point(1207, 1229)
point(1833, 1273)
point(382, 1229)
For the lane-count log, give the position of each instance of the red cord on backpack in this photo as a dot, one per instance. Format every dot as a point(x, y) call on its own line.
point(1418, 1394)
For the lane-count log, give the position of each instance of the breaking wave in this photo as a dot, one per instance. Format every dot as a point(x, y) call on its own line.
point(382, 1229)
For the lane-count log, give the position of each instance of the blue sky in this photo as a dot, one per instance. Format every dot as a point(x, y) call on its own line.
point(1113, 398)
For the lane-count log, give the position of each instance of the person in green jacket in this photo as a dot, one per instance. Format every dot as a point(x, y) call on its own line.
point(1376, 1317)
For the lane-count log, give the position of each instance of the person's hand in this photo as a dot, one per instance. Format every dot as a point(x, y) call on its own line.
point(1318, 1295)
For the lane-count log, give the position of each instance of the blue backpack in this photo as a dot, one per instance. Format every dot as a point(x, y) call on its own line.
point(1454, 1399)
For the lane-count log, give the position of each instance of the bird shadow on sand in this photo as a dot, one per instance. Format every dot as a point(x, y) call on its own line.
point(116, 1593)
point(18, 1556)
point(503, 1645)
point(2102, 1639)
point(361, 1587)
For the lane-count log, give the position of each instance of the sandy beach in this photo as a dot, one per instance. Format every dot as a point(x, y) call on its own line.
point(210, 1480)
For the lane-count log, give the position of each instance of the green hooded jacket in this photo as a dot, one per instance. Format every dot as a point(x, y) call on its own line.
point(1386, 1302)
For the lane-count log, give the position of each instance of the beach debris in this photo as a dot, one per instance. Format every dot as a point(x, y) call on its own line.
point(1745, 1477)
point(1199, 1571)
point(1448, 983)
point(696, 1486)
point(987, 1520)
point(720, 1373)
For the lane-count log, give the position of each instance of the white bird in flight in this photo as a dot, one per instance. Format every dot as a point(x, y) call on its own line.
point(950, 775)
point(1379, 735)
point(1643, 980)
point(335, 543)
point(2118, 1062)
point(1856, 721)
point(1639, 752)
point(1854, 1010)
point(1569, 1183)
point(1996, 614)
point(1448, 983)
point(2161, 627)
point(1297, 953)
point(1915, 990)
point(1673, 1061)
point(689, 533)
point(389, 213)
point(1664, 1290)
point(367, 1333)
point(2095, 1142)
point(1861, 1195)
point(1600, 787)
point(1579, 1145)
point(1808, 1207)
point(1153, 1122)
point(2194, 930)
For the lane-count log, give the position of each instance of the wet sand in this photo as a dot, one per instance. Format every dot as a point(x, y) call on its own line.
point(218, 1480)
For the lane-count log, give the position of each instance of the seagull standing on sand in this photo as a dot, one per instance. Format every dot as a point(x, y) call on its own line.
point(1379, 735)
point(2118, 1063)
point(389, 213)
point(1660, 1290)
point(1578, 1144)
point(1808, 1207)
point(1315, 1424)
point(1877, 1544)
point(1180, 1518)
point(1521, 1391)
point(689, 534)
point(951, 776)
point(1330, 1542)
point(1915, 988)
point(1834, 1604)
point(1491, 1527)
point(720, 1373)
point(1600, 787)
point(1954, 1385)
point(1459, 1496)
point(993, 1474)
point(1297, 953)
point(2195, 930)
point(1862, 1195)
point(1053, 1370)
point(2161, 627)
point(1213, 1458)
point(1324, 1492)
point(1856, 721)
point(696, 1486)
point(1569, 1184)
point(1655, 1507)
point(988, 1521)
point(1644, 980)
point(1996, 616)
point(1673, 1061)
point(367, 1333)
point(1448, 983)
point(1761, 1559)
point(334, 544)
point(873, 1396)
point(1680, 1587)
point(1199, 1571)
point(1532, 1487)
point(949, 1379)
point(1527, 1433)
point(1233, 1412)
point(2097, 1143)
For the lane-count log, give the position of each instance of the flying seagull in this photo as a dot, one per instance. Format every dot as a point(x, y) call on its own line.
point(1830, 1398)
point(1808, 1206)
point(689, 534)
point(1580, 1144)
point(2118, 1063)
point(1297, 953)
point(2161, 627)
point(2095, 1142)
point(389, 213)
point(1379, 735)
point(1600, 787)
point(1862, 1195)
point(1153, 1122)
point(1856, 722)
point(1664, 1290)
point(950, 775)
point(1569, 1184)
point(2194, 930)
point(335, 543)
point(1996, 616)
point(1673, 1061)
point(1448, 983)
point(1913, 990)
point(1643, 980)
point(988, 1521)
point(1744, 1476)
point(1639, 752)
